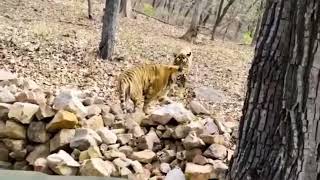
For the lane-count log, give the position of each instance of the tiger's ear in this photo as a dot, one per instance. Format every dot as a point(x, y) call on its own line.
point(189, 54)
point(175, 55)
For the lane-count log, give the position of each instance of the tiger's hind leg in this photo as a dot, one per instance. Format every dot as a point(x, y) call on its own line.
point(138, 102)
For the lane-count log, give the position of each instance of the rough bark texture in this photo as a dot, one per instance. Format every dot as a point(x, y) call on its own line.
point(109, 28)
point(258, 25)
point(192, 32)
point(89, 9)
point(126, 8)
point(279, 135)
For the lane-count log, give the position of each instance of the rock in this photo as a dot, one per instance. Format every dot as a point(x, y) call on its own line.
point(127, 150)
point(124, 138)
point(136, 117)
point(84, 138)
point(6, 75)
point(18, 155)
point(15, 130)
point(95, 123)
point(68, 100)
point(14, 145)
point(45, 111)
point(197, 108)
point(41, 165)
point(210, 94)
point(3, 132)
point(6, 96)
point(62, 163)
point(38, 152)
point(219, 169)
point(119, 131)
point(4, 153)
point(216, 151)
point(166, 156)
point(134, 128)
point(107, 136)
point(62, 139)
point(112, 154)
point(114, 146)
point(210, 127)
point(181, 155)
point(37, 132)
point(221, 127)
point(96, 167)
point(124, 172)
point(195, 171)
point(137, 167)
point(29, 84)
point(230, 154)
point(215, 139)
point(62, 120)
point(93, 110)
point(147, 141)
point(76, 154)
point(35, 96)
point(4, 109)
point(23, 112)
point(190, 154)
point(235, 133)
point(165, 167)
point(181, 131)
point(192, 141)
point(115, 109)
point(5, 165)
point(175, 174)
point(121, 162)
point(231, 124)
point(199, 159)
point(108, 119)
point(21, 165)
point(171, 111)
point(92, 152)
point(145, 156)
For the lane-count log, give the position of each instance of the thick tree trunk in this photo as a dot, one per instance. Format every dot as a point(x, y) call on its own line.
point(126, 8)
point(89, 9)
point(192, 32)
point(220, 16)
point(109, 28)
point(256, 32)
point(279, 135)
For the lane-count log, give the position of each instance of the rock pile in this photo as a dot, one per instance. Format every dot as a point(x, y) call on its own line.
point(74, 133)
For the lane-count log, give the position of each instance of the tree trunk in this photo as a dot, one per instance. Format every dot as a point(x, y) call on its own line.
point(279, 135)
point(256, 32)
point(126, 8)
point(109, 28)
point(192, 32)
point(220, 16)
point(89, 9)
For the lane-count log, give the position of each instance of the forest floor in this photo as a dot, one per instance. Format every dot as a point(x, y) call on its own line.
point(53, 43)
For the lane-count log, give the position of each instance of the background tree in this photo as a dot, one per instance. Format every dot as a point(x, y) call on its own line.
point(126, 8)
point(279, 130)
point(109, 28)
point(192, 32)
point(89, 9)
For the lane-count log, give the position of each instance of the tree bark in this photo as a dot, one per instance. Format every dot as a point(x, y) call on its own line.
point(256, 32)
point(193, 30)
point(279, 135)
point(126, 8)
point(109, 28)
point(89, 9)
point(220, 16)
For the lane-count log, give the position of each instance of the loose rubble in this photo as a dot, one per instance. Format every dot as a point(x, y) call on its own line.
point(66, 132)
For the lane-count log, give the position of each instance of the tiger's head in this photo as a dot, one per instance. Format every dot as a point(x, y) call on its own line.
point(176, 75)
point(183, 58)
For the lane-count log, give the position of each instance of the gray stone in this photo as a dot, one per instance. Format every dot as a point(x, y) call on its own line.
point(216, 151)
point(125, 138)
point(84, 138)
point(4, 110)
point(38, 152)
point(108, 119)
point(210, 94)
point(145, 156)
point(192, 141)
point(165, 167)
point(14, 145)
point(63, 164)
point(175, 174)
point(195, 171)
point(107, 136)
point(62, 139)
point(96, 167)
point(6, 75)
point(95, 123)
point(147, 141)
point(18, 155)
point(6, 96)
point(197, 108)
point(37, 132)
point(15, 130)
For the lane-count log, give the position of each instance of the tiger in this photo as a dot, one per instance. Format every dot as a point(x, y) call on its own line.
point(183, 59)
point(147, 83)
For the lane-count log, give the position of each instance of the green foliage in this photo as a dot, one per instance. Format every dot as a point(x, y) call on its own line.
point(247, 38)
point(148, 9)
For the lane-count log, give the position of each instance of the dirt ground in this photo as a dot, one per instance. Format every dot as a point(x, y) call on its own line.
point(53, 43)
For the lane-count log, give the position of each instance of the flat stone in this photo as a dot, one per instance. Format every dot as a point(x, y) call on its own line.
point(195, 171)
point(197, 108)
point(63, 164)
point(107, 136)
point(84, 138)
point(210, 94)
point(62, 120)
point(15, 130)
point(125, 138)
point(147, 141)
point(95, 167)
point(108, 119)
point(93, 110)
point(62, 139)
point(23, 112)
point(145, 156)
point(216, 151)
point(6, 75)
point(95, 123)
point(175, 174)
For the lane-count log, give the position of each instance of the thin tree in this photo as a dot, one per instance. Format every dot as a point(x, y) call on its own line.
point(109, 28)
point(89, 9)
point(126, 8)
point(220, 14)
point(193, 30)
point(279, 135)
